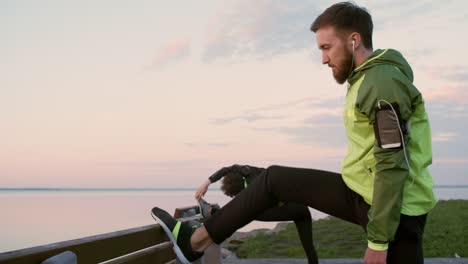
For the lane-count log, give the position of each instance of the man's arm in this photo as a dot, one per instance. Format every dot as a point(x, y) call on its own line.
point(389, 181)
point(391, 168)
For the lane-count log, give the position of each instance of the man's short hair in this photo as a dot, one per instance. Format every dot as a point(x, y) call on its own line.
point(346, 18)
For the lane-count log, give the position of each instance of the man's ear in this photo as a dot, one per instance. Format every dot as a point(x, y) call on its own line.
point(355, 40)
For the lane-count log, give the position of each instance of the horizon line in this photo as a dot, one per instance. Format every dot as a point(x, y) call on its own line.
point(147, 189)
point(96, 188)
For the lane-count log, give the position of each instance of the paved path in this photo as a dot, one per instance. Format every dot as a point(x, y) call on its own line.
point(335, 261)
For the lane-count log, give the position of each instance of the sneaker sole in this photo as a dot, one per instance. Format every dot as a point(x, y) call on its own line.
point(201, 209)
point(177, 250)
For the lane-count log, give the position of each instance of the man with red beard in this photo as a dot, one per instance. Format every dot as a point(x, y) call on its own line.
point(384, 184)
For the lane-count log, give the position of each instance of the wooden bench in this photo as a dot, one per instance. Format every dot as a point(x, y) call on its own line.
point(146, 244)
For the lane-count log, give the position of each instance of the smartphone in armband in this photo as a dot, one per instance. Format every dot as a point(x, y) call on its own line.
point(387, 126)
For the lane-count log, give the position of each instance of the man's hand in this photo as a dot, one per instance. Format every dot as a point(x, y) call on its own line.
point(202, 189)
point(375, 257)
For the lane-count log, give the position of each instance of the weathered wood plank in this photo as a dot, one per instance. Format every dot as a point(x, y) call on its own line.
point(138, 254)
point(99, 248)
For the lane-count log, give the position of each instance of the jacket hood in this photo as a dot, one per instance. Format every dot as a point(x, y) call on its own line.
point(380, 57)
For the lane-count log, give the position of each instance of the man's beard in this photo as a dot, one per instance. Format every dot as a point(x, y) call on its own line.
point(343, 68)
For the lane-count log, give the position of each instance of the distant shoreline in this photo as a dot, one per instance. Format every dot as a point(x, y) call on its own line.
point(103, 189)
point(158, 189)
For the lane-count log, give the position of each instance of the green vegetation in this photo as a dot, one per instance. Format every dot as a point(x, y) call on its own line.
point(446, 233)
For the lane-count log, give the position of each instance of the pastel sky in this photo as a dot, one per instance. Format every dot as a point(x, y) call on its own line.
point(159, 93)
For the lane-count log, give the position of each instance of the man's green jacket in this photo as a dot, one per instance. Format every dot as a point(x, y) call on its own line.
point(389, 182)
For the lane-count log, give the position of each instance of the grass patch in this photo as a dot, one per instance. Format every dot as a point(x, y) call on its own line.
point(446, 233)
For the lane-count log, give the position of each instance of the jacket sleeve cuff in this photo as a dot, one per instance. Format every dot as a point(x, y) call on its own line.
point(376, 246)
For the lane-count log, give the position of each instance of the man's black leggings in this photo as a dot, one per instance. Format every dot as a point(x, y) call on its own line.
point(322, 190)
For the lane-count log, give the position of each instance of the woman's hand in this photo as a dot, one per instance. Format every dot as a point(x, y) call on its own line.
point(202, 189)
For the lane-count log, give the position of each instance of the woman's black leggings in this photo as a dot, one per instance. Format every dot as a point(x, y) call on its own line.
point(300, 214)
point(321, 190)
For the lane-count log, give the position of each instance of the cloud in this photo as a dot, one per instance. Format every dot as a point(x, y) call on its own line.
point(288, 104)
point(460, 160)
point(260, 29)
point(311, 101)
point(442, 137)
point(418, 53)
point(268, 112)
point(450, 73)
point(213, 145)
point(448, 133)
point(266, 28)
point(163, 164)
point(249, 117)
point(309, 121)
point(325, 114)
point(447, 99)
point(450, 93)
point(316, 109)
point(324, 121)
point(172, 51)
point(319, 134)
point(460, 76)
point(389, 13)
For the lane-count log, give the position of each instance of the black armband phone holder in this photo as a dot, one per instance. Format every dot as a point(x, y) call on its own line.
point(388, 126)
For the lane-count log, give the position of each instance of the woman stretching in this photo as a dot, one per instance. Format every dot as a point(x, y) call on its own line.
point(235, 179)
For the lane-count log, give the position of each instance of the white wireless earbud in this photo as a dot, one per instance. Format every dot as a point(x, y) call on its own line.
point(352, 59)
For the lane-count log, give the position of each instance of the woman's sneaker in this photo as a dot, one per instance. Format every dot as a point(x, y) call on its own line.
point(179, 233)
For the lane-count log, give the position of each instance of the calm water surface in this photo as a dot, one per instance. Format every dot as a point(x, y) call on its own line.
point(32, 218)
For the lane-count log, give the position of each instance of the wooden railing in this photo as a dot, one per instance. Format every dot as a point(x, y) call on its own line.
point(147, 244)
